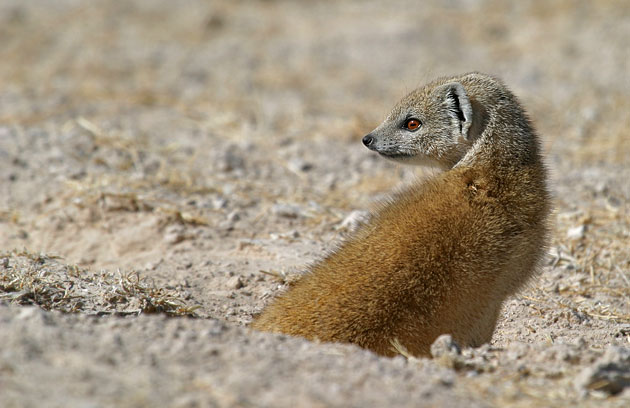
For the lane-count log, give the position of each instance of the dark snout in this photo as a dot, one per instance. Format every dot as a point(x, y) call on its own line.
point(368, 141)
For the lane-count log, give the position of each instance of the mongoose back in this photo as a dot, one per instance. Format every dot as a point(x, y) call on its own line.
point(441, 256)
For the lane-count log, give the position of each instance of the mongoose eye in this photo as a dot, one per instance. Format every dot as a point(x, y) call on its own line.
point(412, 124)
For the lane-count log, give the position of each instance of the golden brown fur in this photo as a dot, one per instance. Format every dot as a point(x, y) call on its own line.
point(441, 256)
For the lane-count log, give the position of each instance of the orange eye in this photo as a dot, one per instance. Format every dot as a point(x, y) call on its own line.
point(412, 124)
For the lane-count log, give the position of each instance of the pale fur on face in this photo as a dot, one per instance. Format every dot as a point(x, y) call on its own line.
point(449, 125)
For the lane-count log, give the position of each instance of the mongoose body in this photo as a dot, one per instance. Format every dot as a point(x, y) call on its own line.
point(441, 256)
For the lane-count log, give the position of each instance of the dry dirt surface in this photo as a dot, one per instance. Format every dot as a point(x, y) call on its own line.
point(166, 167)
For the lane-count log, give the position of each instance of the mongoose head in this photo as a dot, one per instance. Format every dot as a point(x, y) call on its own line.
point(433, 125)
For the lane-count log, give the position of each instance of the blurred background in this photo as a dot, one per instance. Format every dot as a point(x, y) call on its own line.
point(278, 68)
point(266, 101)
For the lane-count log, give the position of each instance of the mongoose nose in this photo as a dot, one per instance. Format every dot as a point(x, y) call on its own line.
point(368, 140)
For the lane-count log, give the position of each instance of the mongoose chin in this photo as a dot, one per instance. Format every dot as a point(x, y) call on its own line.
point(443, 255)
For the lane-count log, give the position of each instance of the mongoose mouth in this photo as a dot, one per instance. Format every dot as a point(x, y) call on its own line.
point(395, 156)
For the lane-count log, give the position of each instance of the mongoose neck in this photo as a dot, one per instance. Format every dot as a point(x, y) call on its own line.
point(504, 143)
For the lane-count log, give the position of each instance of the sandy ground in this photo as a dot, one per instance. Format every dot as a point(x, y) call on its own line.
point(165, 166)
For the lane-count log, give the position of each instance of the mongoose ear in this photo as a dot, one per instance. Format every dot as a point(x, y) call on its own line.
point(458, 106)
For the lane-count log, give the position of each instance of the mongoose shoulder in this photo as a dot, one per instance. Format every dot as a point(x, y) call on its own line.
point(441, 256)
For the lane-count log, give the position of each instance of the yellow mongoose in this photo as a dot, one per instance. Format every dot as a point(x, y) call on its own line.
point(443, 255)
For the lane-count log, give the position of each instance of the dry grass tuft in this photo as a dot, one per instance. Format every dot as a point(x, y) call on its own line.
point(398, 348)
point(89, 194)
point(39, 279)
point(280, 276)
point(595, 266)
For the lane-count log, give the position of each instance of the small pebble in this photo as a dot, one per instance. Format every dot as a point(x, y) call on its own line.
point(173, 237)
point(298, 164)
point(576, 232)
point(219, 203)
point(610, 373)
point(235, 282)
point(234, 216)
point(286, 210)
point(445, 346)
